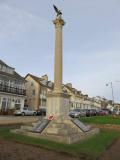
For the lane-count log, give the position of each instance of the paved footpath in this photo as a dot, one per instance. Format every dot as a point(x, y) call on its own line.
point(113, 152)
point(13, 120)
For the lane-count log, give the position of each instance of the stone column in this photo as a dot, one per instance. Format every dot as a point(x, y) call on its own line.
point(57, 101)
point(58, 55)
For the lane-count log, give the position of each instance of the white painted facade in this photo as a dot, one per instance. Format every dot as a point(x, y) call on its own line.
point(12, 88)
point(11, 101)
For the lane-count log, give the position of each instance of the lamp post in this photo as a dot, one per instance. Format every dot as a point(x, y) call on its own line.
point(111, 85)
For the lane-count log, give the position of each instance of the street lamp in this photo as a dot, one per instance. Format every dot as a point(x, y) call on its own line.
point(111, 84)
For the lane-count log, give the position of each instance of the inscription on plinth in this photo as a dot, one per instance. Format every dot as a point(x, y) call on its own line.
point(57, 104)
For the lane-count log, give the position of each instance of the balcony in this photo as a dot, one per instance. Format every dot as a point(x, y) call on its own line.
point(13, 90)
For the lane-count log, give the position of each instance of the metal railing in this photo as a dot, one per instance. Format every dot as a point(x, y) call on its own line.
point(13, 90)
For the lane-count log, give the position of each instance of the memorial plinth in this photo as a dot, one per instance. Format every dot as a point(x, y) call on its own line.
point(57, 104)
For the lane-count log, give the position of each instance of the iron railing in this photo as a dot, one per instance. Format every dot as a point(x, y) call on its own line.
point(13, 90)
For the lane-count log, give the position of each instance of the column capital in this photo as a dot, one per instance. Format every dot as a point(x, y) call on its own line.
point(59, 22)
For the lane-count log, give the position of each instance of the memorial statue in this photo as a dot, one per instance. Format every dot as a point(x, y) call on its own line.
point(59, 13)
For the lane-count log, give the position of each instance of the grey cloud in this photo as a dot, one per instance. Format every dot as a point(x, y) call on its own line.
point(91, 39)
point(15, 21)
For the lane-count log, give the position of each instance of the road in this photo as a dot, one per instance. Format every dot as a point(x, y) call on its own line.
point(17, 120)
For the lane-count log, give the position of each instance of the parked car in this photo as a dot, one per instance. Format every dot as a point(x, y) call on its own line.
point(42, 112)
point(77, 113)
point(88, 113)
point(25, 111)
point(116, 112)
point(83, 112)
point(91, 112)
point(103, 112)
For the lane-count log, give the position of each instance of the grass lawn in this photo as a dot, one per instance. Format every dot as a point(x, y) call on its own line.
point(101, 120)
point(91, 147)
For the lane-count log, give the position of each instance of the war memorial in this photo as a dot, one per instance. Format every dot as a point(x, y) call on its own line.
point(57, 125)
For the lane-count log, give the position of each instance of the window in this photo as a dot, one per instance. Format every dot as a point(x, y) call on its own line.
point(32, 84)
point(3, 68)
point(4, 104)
point(33, 92)
point(1, 82)
point(17, 106)
point(9, 103)
point(44, 92)
point(18, 100)
point(25, 108)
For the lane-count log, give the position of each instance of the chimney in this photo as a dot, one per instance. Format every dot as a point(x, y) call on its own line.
point(69, 85)
point(45, 77)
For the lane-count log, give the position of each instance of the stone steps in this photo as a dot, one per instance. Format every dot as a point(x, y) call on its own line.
point(62, 129)
point(34, 124)
point(26, 128)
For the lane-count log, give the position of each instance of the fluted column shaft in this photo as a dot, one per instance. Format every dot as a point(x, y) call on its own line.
point(58, 55)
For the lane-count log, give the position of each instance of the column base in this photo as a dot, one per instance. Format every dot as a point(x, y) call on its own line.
point(61, 130)
point(58, 104)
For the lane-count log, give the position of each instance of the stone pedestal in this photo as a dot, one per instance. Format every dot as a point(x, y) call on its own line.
point(58, 104)
point(61, 129)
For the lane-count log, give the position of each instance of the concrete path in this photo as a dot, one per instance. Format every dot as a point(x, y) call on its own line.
point(113, 152)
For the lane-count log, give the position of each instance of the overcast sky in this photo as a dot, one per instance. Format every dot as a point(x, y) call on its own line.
point(91, 41)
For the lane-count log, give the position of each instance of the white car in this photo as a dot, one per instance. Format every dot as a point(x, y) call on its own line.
point(76, 113)
point(25, 111)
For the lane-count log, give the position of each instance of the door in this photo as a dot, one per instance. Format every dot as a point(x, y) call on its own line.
point(4, 104)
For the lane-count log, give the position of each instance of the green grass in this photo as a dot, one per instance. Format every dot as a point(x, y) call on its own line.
point(91, 147)
point(101, 120)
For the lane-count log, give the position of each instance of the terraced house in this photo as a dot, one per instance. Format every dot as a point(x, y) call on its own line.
point(79, 100)
point(36, 91)
point(12, 89)
point(38, 87)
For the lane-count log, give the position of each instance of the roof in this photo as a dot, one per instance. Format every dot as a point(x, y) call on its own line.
point(40, 80)
point(3, 63)
point(14, 75)
point(73, 90)
point(37, 79)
